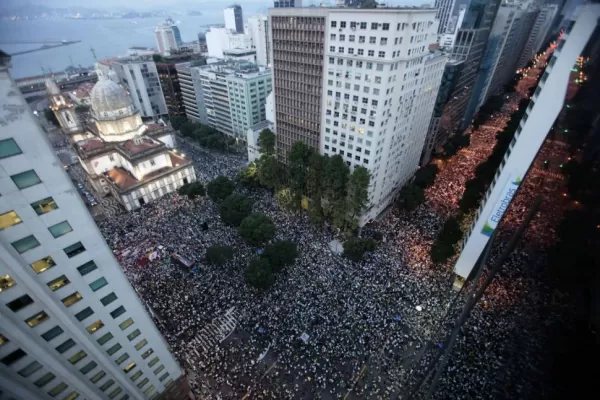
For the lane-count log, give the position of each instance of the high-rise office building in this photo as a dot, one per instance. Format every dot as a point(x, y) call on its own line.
point(360, 83)
point(169, 81)
point(191, 93)
point(258, 30)
point(544, 107)
point(539, 33)
point(71, 324)
point(234, 20)
point(168, 37)
point(444, 11)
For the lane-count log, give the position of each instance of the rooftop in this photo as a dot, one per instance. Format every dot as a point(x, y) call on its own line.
point(261, 125)
point(140, 145)
point(242, 69)
point(122, 178)
point(83, 90)
point(91, 144)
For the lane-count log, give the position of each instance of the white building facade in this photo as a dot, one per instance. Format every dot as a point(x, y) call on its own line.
point(234, 19)
point(71, 324)
point(168, 38)
point(258, 30)
point(539, 32)
point(219, 40)
point(545, 105)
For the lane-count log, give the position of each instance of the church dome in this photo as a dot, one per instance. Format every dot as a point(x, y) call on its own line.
point(108, 97)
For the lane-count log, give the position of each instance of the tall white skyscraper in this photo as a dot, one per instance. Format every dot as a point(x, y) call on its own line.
point(168, 37)
point(258, 29)
point(234, 19)
point(365, 92)
point(71, 326)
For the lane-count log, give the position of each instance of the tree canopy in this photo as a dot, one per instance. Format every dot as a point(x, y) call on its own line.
point(269, 172)
point(411, 196)
point(219, 188)
point(266, 141)
point(257, 229)
point(235, 208)
point(425, 176)
point(280, 254)
point(258, 274)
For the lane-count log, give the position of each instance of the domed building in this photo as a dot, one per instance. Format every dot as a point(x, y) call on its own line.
point(123, 156)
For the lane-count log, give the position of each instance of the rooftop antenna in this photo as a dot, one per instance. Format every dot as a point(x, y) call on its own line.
point(94, 53)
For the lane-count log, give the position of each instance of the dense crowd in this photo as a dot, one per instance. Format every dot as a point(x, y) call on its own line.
point(330, 328)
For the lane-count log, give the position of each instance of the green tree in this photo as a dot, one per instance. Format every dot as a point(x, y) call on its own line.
point(266, 141)
point(269, 172)
point(257, 229)
point(425, 176)
point(218, 254)
point(192, 190)
point(441, 252)
point(187, 129)
point(451, 231)
point(177, 121)
point(472, 195)
point(335, 180)
point(411, 196)
point(248, 175)
point(51, 117)
point(258, 274)
point(358, 190)
point(315, 211)
point(157, 58)
point(235, 208)
point(355, 248)
point(219, 188)
point(298, 157)
point(314, 175)
point(280, 254)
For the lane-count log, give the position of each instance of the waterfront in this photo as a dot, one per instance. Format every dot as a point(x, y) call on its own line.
point(109, 38)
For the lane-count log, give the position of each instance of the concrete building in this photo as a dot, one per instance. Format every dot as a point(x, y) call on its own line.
point(539, 33)
point(219, 40)
point(168, 37)
point(191, 93)
point(234, 20)
point(359, 83)
point(140, 77)
point(287, 3)
point(63, 108)
point(247, 55)
point(169, 81)
point(447, 39)
point(72, 325)
point(232, 94)
point(444, 11)
point(258, 30)
point(254, 131)
point(546, 103)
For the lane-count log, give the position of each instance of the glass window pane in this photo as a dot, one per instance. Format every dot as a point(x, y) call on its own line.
point(147, 353)
point(141, 344)
point(98, 376)
point(6, 282)
point(125, 324)
point(66, 345)
point(41, 265)
point(149, 389)
point(60, 229)
point(115, 393)
point(37, 319)
point(117, 312)
point(13, 357)
point(59, 282)
point(72, 396)
point(98, 284)
point(44, 206)
point(52, 333)
point(135, 376)
point(129, 367)
point(133, 334)
point(71, 299)
point(95, 326)
point(20, 303)
point(83, 314)
point(114, 349)
point(26, 179)
point(74, 249)
point(122, 358)
point(105, 338)
point(27, 243)
point(75, 358)
point(30, 369)
point(9, 219)
point(165, 376)
point(142, 383)
point(157, 370)
point(106, 300)
point(88, 367)
point(8, 148)
point(44, 380)
point(3, 339)
point(107, 384)
point(58, 389)
point(153, 362)
point(87, 268)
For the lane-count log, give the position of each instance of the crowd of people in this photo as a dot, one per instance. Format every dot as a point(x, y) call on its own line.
point(330, 328)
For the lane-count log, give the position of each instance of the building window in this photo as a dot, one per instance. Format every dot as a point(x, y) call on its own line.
point(95, 326)
point(44, 380)
point(153, 362)
point(60, 229)
point(114, 349)
point(383, 41)
point(105, 338)
point(30, 369)
point(72, 396)
point(87, 268)
point(9, 148)
point(142, 383)
point(25, 244)
point(83, 314)
point(117, 312)
point(96, 378)
point(159, 369)
point(135, 376)
point(115, 393)
point(386, 27)
point(3, 339)
point(133, 335)
point(13, 357)
point(42, 265)
point(9, 219)
point(165, 376)
point(98, 284)
point(129, 367)
point(74, 249)
point(66, 345)
point(58, 389)
point(58, 283)
point(125, 324)
point(107, 384)
point(342, 24)
point(52, 333)
point(148, 390)
point(20, 303)
point(147, 354)
point(141, 344)
point(37, 319)
point(6, 282)
point(88, 367)
point(75, 358)
point(374, 26)
point(71, 299)
point(371, 53)
point(106, 300)
point(44, 206)
point(122, 358)
point(381, 54)
point(26, 179)
point(333, 24)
